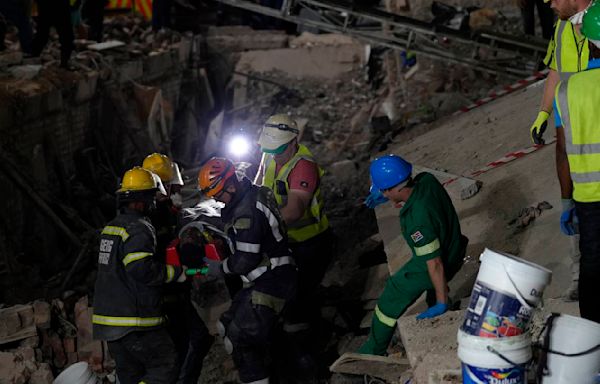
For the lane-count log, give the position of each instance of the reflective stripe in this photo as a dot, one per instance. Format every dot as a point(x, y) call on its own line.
point(247, 247)
point(170, 273)
point(386, 320)
point(254, 274)
point(588, 177)
point(115, 321)
point(273, 222)
point(561, 28)
point(283, 260)
point(428, 248)
point(135, 256)
point(116, 231)
point(225, 267)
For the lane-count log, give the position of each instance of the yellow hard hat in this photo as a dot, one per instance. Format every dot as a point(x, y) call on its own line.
point(138, 179)
point(277, 131)
point(159, 164)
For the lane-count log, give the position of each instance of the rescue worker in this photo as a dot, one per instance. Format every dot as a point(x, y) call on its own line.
point(55, 13)
point(430, 227)
point(186, 328)
point(577, 162)
point(128, 291)
point(294, 176)
point(567, 54)
point(260, 255)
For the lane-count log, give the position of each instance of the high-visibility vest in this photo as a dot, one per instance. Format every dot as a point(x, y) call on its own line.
point(314, 221)
point(577, 101)
point(571, 52)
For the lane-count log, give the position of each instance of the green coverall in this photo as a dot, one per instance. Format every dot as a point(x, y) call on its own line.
point(431, 228)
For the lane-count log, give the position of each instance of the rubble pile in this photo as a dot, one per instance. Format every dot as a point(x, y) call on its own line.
point(40, 339)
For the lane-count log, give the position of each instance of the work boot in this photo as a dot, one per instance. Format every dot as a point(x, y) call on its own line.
point(572, 293)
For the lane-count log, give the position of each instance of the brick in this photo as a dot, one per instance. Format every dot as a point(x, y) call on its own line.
point(26, 317)
point(89, 350)
point(43, 375)
point(41, 311)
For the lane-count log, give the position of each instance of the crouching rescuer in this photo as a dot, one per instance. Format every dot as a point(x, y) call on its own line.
point(128, 291)
point(430, 226)
point(260, 256)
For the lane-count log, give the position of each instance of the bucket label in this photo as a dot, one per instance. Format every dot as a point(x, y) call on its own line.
point(476, 375)
point(495, 314)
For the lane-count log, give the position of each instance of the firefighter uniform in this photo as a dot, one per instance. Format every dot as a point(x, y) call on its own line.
point(263, 260)
point(431, 228)
point(127, 301)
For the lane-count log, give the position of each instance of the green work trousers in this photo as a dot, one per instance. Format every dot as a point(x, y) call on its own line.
point(401, 291)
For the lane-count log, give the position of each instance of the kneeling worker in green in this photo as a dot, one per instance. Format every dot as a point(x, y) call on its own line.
point(430, 226)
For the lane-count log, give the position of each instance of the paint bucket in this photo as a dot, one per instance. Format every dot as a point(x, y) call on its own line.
point(504, 295)
point(78, 373)
point(572, 336)
point(494, 361)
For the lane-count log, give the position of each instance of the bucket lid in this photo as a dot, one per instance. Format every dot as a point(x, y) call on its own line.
point(518, 265)
point(76, 373)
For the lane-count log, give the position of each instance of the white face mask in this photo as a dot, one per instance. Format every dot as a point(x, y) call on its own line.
point(578, 17)
point(596, 43)
point(177, 200)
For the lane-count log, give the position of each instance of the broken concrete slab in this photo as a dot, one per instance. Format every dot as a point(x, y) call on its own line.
point(387, 368)
point(316, 62)
point(307, 39)
point(243, 38)
point(431, 343)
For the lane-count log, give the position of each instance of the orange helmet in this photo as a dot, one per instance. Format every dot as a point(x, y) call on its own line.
point(213, 175)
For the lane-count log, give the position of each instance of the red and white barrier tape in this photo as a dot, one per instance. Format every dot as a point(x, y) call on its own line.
point(503, 160)
point(508, 89)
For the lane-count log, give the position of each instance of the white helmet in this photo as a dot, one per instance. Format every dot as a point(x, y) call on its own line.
point(277, 131)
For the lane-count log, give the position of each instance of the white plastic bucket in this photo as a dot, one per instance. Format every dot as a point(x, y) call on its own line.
point(482, 366)
point(573, 335)
point(504, 295)
point(78, 373)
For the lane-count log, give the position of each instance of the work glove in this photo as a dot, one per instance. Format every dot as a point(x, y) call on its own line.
point(183, 276)
point(436, 310)
point(375, 198)
point(215, 268)
point(539, 127)
point(569, 224)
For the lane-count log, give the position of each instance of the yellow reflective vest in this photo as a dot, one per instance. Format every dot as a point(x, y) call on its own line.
point(577, 101)
point(568, 51)
point(314, 221)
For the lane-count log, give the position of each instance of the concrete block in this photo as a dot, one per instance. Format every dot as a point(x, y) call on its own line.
point(32, 342)
point(157, 64)
point(41, 311)
point(86, 87)
point(387, 368)
point(130, 70)
point(43, 375)
point(342, 170)
point(26, 317)
point(11, 370)
point(10, 323)
point(431, 344)
point(52, 100)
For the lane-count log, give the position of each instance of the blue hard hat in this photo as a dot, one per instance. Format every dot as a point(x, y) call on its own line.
point(389, 170)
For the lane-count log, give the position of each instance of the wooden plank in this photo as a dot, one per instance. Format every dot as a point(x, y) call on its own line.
point(384, 367)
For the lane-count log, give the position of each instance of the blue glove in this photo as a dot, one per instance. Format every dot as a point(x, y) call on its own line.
point(215, 268)
point(436, 310)
point(375, 198)
point(568, 219)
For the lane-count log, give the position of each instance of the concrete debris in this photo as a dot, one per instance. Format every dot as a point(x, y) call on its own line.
point(307, 39)
point(528, 215)
point(384, 367)
point(431, 344)
point(243, 38)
